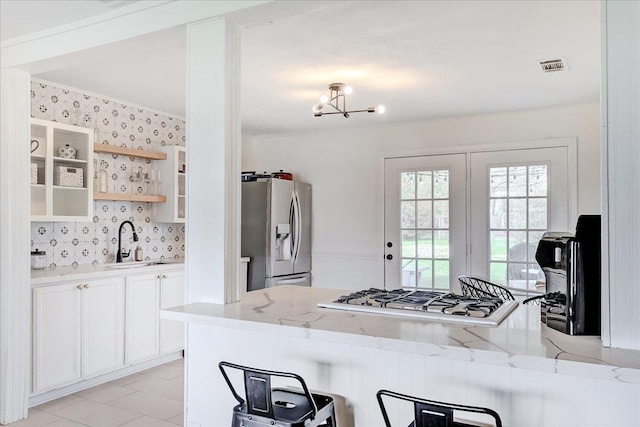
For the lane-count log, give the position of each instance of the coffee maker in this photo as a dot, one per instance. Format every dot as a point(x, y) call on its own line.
point(571, 265)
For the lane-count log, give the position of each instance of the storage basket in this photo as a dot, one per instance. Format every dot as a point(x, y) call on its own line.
point(66, 176)
point(34, 173)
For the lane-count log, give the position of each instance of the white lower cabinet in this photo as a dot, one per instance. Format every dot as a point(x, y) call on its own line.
point(78, 331)
point(89, 328)
point(146, 335)
point(172, 293)
point(143, 318)
point(102, 326)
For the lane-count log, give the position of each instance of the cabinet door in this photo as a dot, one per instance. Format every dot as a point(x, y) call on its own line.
point(142, 330)
point(56, 336)
point(171, 295)
point(102, 326)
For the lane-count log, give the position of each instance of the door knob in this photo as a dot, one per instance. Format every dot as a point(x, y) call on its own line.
point(389, 244)
point(389, 257)
point(86, 286)
point(79, 286)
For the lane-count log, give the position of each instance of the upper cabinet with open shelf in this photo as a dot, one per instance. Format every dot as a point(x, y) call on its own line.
point(61, 172)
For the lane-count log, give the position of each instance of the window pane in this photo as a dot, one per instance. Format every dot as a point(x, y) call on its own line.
point(424, 214)
point(408, 185)
point(517, 214)
point(498, 245)
point(424, 185)
point(441, 184)
point(408, 243)
point(441, 273)
point(517, 246)
point(538, 214)
point(425, 273)
point(441, 244)
point(517, 275)
point(538, 180)
point(498, 213)
point(497, 182)
point(517, 181)
point(425, 249)
point(441, 214)
point(498, 272)
point(409, 214)
point(408, 272)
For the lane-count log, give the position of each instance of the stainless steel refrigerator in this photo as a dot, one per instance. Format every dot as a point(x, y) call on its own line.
point(276, 232)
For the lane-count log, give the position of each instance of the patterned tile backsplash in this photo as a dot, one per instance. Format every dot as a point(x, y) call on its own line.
point(76, 243)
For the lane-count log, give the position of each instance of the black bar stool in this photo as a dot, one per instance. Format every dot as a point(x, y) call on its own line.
point(429, 413)
point(279, 407)
point(479, 288)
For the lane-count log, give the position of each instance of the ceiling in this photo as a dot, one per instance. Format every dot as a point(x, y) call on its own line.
point(421, 59)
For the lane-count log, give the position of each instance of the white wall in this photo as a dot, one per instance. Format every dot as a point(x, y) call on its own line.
point(342, 165)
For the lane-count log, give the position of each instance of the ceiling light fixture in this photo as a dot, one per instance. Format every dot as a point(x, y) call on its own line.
point(338, 100)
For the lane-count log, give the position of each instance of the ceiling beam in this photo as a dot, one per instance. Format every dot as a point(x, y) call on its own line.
point(121, 24)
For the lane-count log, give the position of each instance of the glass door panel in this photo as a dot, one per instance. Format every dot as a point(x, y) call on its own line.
point(512, 205)
point(424, 200)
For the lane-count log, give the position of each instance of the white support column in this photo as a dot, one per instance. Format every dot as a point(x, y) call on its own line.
point(620, 173)
point(213, 161)
point(15, 280)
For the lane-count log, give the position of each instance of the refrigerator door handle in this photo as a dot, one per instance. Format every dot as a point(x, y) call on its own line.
point(297, 226)
point(292, 207)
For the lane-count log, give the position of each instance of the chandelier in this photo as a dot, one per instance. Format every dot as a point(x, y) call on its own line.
point(337, 99)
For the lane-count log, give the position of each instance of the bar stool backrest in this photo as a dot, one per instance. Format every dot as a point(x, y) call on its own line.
point(257, 385)
point(479, 288)
point(429, 413)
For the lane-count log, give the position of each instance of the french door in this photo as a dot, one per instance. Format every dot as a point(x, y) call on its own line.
point(516, 196)
point(425, 239)
point(433, 214)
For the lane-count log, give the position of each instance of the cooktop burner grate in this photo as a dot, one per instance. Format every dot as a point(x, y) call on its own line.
point(426, 304)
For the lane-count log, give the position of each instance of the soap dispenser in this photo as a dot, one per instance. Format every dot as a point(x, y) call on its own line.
point(138, 253)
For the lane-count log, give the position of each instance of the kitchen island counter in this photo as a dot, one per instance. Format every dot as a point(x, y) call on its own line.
point(520, 340)
point(520, 366)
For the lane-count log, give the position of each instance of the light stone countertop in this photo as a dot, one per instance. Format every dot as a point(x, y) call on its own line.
point(520, 341)
point(50, 276)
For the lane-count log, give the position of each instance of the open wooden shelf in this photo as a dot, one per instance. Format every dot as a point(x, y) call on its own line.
point(129, 152)
point(129, 197)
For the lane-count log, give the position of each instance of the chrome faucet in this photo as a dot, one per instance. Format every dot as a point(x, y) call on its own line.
point(121, 254)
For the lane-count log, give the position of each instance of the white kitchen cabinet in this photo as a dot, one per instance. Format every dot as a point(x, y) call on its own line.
point(142, 329)
point(102, 326)
point(78, 331)
point(61, 188)
point(173, 185)
point(56, 336)
point(172, 293)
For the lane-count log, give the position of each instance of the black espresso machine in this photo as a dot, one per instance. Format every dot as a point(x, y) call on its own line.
point(571, 265)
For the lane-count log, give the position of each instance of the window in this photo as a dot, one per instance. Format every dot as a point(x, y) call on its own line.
point(425, 228)
point(517, 219)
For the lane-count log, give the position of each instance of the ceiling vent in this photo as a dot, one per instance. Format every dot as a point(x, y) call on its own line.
point(553, 65)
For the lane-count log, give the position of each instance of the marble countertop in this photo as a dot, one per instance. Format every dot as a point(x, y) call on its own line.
point(519, 341)
point(48, 276)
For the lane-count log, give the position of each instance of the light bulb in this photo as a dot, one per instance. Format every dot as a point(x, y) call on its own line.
point(317, 108)
point(347, 90)
point(324, 99)
point(380, 109)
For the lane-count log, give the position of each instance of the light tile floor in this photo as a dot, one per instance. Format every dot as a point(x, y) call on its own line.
point(151, 398)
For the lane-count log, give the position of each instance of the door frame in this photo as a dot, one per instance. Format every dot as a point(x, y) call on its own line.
point(570, 143)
